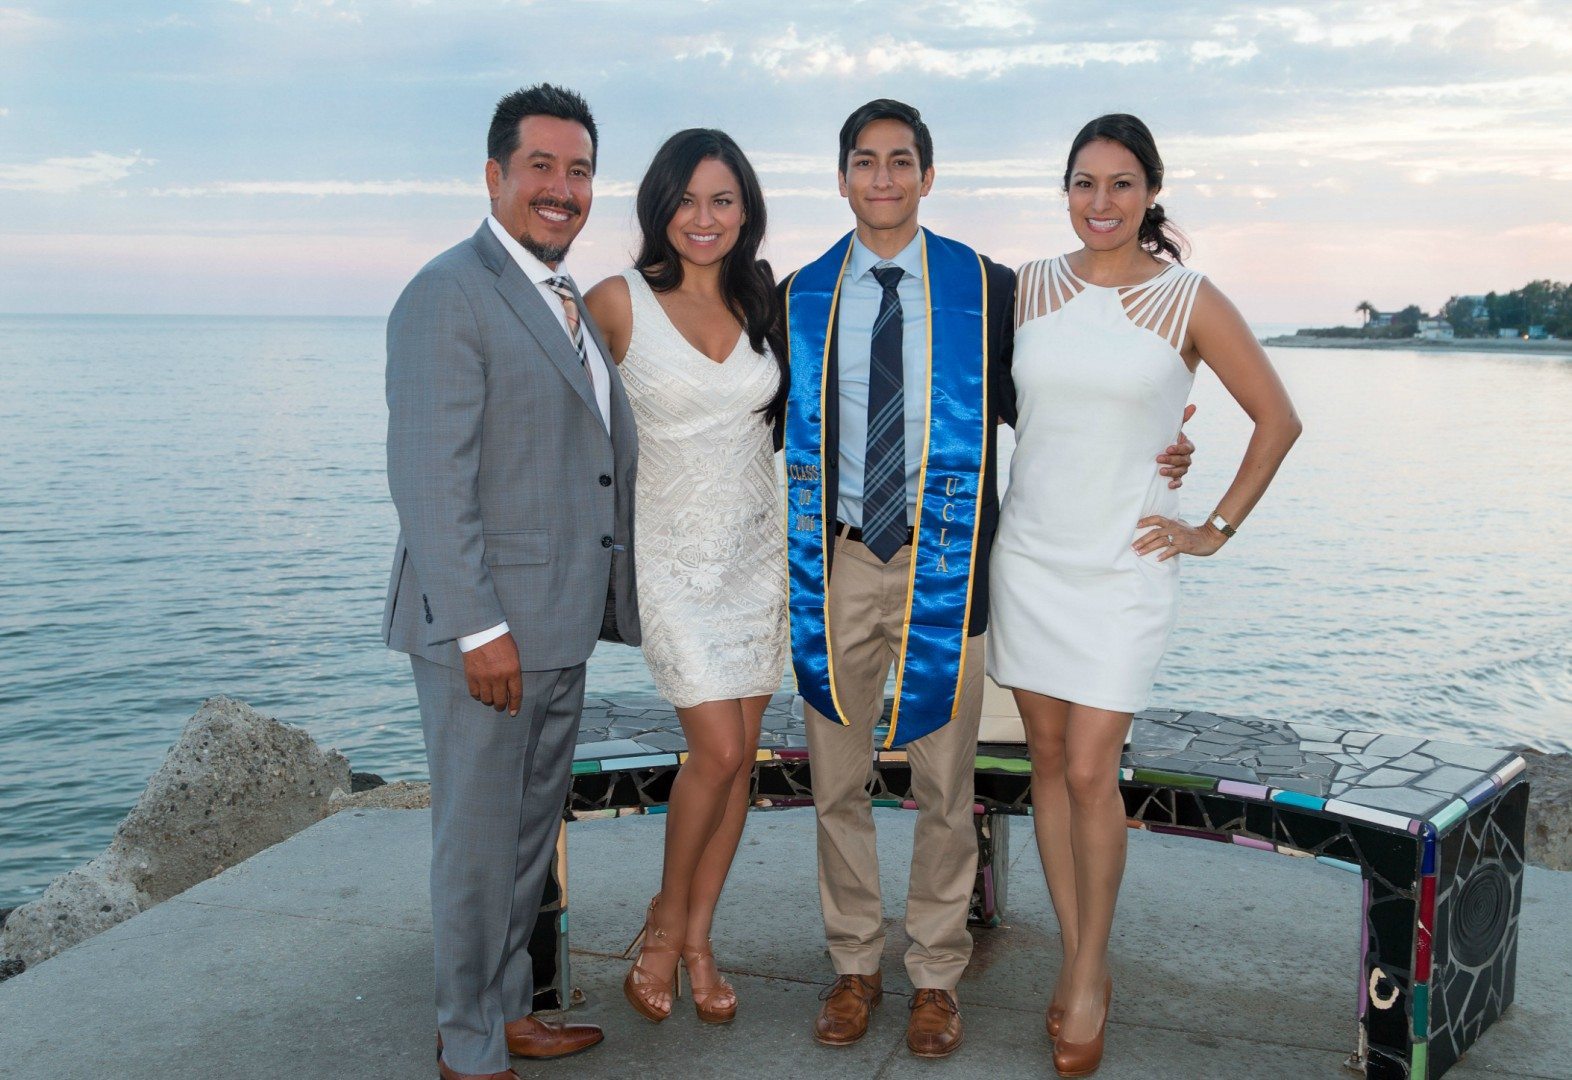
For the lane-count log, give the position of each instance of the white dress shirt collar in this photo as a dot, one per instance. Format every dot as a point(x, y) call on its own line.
point(533, 268)
point(863, 260)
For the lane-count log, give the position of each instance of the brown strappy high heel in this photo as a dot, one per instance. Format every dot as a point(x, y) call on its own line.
point(715, 1003)
point(643, 989)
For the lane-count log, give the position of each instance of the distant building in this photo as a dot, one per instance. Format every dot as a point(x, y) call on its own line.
point(1508, 332)
point(1538, 333)
point(1381, 318)
point(1473, 307)
point(1434, 330)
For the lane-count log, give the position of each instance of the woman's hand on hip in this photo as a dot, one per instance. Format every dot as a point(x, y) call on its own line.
point(1172, 536)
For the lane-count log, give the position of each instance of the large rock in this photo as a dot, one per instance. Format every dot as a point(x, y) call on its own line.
point(1549, 837)
point(236, 782)
point(399, 795)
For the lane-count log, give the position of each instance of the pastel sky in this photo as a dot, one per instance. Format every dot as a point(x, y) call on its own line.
point(307, 156)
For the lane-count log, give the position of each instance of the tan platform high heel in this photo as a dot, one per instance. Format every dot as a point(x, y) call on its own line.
point(1084, 1058)
point(642, 988)
point(715, 1003)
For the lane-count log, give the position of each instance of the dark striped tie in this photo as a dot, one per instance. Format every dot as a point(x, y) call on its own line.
point(884, 468)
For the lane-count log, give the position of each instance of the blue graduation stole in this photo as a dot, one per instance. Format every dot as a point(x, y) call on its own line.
point(949, 502)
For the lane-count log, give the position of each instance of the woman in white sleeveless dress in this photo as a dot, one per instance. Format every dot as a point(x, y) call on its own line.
point(695, 328)
point(1085, 583)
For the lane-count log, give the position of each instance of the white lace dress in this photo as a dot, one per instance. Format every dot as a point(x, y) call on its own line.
point(711, 544)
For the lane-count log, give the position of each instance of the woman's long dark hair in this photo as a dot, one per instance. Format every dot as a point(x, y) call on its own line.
point(1157, 234)
point(747, 284)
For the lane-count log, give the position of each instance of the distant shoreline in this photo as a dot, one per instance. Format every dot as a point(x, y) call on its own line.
point(1502, 345)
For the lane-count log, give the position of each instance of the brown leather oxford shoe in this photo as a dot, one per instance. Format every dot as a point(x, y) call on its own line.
point(531, 1037)
point(934, 1028)
point(848, 1005)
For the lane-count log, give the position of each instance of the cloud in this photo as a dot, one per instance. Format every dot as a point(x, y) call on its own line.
point(1527, 91)
point(324, 188)
point(18, 23)
point(1348, 25)
point(701, 47)
point(62, 175)
point(793, 56)
point(986, 14)
point(1419, 144)
point(319, 189)
point(1255, 192)
point(777, 161)
point(339, 11)
point(1203, 51)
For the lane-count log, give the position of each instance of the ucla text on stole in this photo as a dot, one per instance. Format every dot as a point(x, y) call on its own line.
point(808, 522)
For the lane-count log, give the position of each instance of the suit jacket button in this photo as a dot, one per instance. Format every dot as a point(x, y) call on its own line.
point(605, 541)
point(605, 481)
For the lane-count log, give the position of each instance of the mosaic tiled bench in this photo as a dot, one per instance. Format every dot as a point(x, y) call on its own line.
point(1434, 829)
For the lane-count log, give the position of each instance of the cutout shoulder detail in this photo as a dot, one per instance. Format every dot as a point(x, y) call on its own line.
point(1163, 304)
point(1043, 286)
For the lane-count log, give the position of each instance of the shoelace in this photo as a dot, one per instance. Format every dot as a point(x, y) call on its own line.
point(943, 999)
point(858, 984)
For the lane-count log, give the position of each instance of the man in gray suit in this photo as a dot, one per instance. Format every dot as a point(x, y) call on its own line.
point(511, 456)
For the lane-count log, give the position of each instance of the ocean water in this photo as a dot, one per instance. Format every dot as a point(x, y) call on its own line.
point(196, 506)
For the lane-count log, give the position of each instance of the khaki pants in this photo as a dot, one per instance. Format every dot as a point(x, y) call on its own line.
point(866, 610)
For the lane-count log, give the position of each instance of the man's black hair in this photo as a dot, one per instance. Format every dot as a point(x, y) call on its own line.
point(543, 99)
point(887, 109)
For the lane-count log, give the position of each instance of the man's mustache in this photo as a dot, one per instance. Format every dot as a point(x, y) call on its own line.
point(567, 206)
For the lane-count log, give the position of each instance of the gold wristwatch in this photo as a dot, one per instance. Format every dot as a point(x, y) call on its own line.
point(1220, 523)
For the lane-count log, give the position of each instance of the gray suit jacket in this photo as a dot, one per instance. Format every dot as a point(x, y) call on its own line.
point(513, 503)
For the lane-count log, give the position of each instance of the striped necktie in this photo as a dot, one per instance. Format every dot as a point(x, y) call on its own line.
point(884, 468)
point(562, 285)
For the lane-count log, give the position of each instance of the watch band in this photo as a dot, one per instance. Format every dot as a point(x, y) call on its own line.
point(1220, 523)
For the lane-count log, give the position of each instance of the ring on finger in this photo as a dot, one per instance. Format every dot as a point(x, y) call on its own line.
point(1170, 539)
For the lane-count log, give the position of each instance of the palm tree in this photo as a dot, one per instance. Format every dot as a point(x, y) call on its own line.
point(1367, 309)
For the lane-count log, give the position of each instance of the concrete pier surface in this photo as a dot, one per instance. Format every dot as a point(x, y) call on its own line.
point(313, 960)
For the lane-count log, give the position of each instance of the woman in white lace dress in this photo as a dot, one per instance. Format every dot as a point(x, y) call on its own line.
point(695, 327)
point(1084, 588)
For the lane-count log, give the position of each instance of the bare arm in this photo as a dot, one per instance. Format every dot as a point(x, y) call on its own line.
point(1220, 339)
point(611, 307)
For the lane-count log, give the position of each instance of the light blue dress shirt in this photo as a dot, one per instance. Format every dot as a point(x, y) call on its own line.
point(861, 294)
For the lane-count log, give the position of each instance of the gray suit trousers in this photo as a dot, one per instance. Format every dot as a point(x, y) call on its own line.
point(498, 786)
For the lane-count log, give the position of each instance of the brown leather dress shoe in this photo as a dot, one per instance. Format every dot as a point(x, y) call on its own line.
point(531, 1037)
point(848, 1004)
point(934, 1028)
point(448, 1074)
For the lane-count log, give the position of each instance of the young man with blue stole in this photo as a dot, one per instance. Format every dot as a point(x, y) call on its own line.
point(900, 346)
point(900, 343)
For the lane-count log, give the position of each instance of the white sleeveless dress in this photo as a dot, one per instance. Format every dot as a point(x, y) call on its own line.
point(1100, 387)
point(708, 514)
